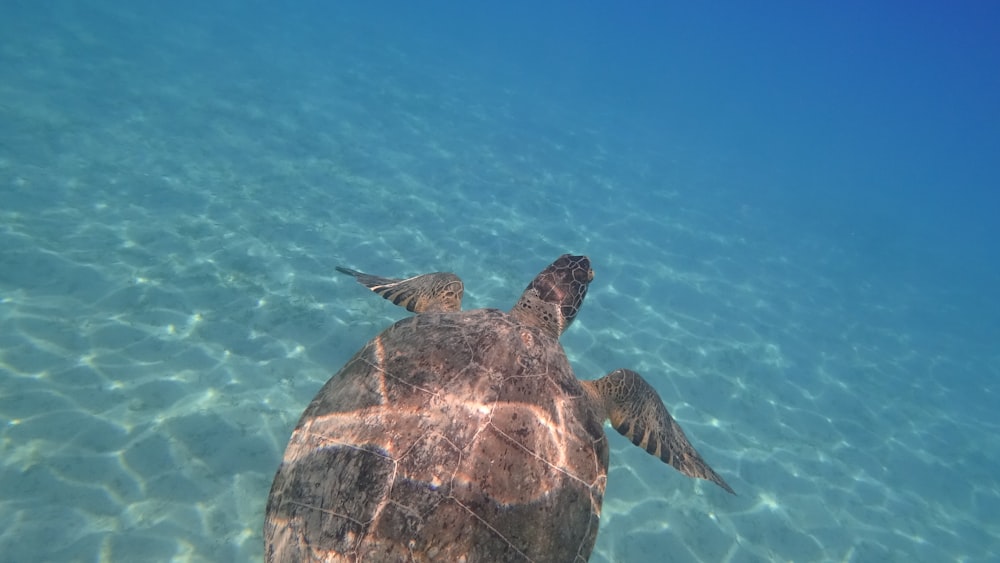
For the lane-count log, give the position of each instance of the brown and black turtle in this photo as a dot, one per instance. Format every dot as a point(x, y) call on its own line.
point(463, 435)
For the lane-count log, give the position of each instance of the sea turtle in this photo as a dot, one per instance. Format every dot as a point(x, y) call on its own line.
point(463, 435)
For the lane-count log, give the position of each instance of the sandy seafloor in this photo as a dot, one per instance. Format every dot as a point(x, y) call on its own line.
point(168, 305)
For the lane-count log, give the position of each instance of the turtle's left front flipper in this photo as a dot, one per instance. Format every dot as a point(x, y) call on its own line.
point(636, 411)
point(440, 291)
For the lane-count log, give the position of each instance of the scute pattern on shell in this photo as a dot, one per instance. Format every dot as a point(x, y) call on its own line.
point(450, 436)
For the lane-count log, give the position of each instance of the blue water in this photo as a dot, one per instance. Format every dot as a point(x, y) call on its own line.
point(791, 211)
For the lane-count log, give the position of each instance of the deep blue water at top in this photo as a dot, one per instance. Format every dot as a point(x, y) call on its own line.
point(876, 122)
point(854, 117)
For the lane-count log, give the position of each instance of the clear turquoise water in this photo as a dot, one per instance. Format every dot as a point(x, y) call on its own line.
point(176, 186)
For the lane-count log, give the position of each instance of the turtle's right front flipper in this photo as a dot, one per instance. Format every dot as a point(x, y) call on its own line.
point(440, 291)
point(637, 412)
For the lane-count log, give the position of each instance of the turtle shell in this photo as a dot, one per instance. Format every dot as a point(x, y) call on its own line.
point(457, 436)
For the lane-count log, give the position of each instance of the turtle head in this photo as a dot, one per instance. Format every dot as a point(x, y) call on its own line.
point(552, 300)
